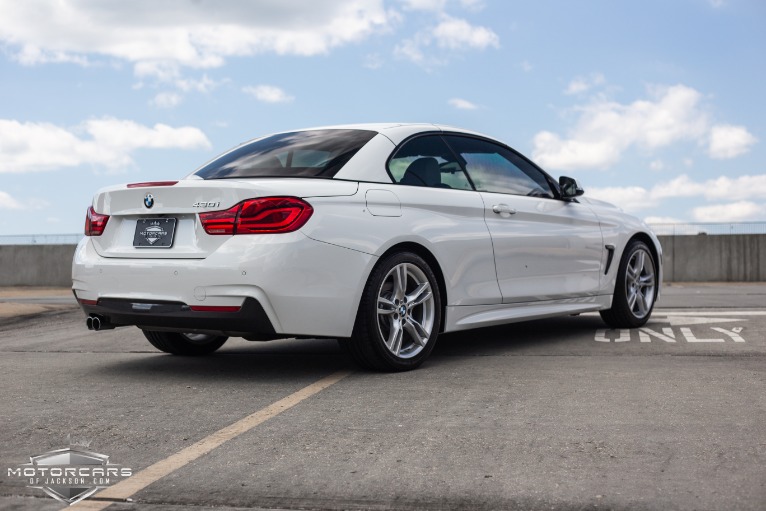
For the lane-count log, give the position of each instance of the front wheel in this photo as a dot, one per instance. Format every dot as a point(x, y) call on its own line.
point(399, 316)
point(184, 344)
point(635, 290)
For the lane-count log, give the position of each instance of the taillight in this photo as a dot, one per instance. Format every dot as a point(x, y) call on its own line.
point(269, 215)
point(220, 222)
point(95, 223)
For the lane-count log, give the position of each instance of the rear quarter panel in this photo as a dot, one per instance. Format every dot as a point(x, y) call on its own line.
point(448, 223)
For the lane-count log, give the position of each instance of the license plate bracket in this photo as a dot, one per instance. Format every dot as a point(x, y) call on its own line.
point(154, 233)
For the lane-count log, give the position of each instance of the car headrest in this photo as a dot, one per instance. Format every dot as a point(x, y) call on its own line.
point(423, 172)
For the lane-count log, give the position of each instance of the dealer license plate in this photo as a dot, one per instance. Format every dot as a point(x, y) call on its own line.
point(154, 232)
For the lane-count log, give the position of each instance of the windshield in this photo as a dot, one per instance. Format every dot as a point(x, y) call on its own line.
point(315, 153)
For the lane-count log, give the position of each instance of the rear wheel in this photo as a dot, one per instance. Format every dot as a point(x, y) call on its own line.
point(185, 344)
point(399, 316)
point(636, 288)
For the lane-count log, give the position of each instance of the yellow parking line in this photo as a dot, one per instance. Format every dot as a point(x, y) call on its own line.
point(130, 486)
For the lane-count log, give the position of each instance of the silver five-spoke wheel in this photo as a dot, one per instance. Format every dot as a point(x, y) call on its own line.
point(399, 316)
point(405, 310)
point(640, 283)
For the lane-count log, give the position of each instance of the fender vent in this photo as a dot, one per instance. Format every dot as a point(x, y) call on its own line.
point(609, 257)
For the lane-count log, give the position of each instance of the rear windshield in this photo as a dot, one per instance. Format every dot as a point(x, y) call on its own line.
point(315, 153)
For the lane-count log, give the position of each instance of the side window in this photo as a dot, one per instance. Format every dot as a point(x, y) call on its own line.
point(427, 161)
point(493, 168)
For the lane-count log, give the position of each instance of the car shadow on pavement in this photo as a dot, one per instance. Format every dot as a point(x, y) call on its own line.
point(290, 358)
point(274, 361)
point(557, 336)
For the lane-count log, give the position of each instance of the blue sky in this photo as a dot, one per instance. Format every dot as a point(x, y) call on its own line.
point(654, 105)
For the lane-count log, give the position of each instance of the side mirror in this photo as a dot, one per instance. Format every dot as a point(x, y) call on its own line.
point(570, 188)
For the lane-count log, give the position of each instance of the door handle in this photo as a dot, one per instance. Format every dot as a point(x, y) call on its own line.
point(503, 209)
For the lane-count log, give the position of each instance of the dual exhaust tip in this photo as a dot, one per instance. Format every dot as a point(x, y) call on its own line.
point(96, 323)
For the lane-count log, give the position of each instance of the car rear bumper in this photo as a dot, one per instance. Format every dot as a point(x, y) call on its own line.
point(283, 285)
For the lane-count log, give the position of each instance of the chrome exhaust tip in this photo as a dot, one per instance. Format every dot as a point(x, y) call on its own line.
point(97, 323)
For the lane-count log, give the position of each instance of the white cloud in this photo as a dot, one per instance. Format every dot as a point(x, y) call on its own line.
point(440, 5)
point(742, 187)
point(453, 34)
point(424, 5)
point(167, 100)
point(473, 5)
point(106, 142)
point(8, 202)
point(526, 66)
point(720, 188)
point(268, 93)
point(654, 220)
point(462, 104)
point(717, 3)
point(629, 198)
point(195, 34)
point(32, 55)
point(733, 212)
point(412, 49)
point(727, 141)
point(203, 85)
point(582, 84)
point(373, 61)
point(169, 74)
point(656, 165)
point(605, 129)
point(637, 198)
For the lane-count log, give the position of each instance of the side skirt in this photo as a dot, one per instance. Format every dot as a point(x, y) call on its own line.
point(465, 317)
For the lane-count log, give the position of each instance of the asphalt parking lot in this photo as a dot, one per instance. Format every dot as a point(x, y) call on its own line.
point(550, 414)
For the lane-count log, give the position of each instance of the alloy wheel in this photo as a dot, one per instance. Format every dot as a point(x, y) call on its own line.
point(640, 283)
point(406, 310)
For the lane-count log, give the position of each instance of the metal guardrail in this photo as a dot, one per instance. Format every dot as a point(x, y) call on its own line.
point(713, 228)
point(40, 239)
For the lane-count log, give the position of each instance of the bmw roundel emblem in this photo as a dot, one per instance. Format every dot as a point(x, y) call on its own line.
point(149, 200)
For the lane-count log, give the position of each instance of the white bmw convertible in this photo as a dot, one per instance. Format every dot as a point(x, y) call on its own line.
point(382, 236)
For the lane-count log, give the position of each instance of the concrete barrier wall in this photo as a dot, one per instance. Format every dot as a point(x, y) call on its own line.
point(708, 258)
point(729, 258)
point(36, 265)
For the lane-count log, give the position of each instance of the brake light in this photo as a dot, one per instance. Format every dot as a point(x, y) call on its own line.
point(95, 223)
point(268, 215)
point(152, 183)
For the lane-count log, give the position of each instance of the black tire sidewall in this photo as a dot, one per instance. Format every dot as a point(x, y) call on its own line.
point(177, 343)
point(620, 300)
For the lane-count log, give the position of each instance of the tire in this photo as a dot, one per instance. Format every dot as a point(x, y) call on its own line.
point(399, 316)
point(635, 291)
point(184, 344)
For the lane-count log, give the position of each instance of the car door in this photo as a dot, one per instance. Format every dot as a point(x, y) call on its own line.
point(545, 248)
point(441, 209)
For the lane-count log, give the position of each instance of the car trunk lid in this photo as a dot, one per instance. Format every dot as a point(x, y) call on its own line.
point(145, 217)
